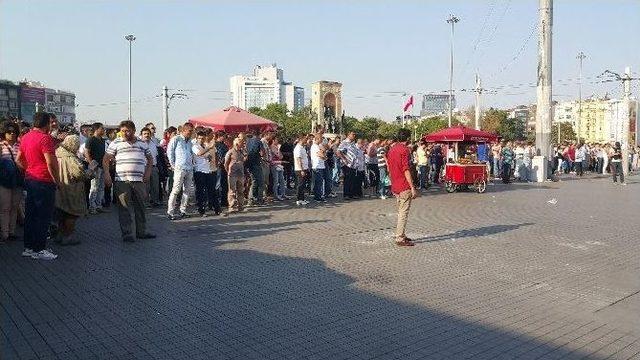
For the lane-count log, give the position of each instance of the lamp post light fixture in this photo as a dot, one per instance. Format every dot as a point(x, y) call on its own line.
point(451, 20)
point(130, 38)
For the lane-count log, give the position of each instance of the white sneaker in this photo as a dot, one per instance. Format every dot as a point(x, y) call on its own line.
point(44, 255)
point(302, 202)
point(383, 197)
point(28, 253)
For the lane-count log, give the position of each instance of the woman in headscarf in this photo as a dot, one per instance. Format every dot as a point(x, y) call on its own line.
point(70, 196)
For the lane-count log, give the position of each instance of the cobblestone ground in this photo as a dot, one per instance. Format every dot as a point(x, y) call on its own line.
point(506, 274)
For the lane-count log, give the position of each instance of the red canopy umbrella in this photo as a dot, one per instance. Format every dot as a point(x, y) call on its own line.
point(234, 119)
point(460, 134)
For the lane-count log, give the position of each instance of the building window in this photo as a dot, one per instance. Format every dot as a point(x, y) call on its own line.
point(49, 97)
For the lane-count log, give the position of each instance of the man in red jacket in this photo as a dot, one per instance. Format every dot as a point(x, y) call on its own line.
point(398, 159)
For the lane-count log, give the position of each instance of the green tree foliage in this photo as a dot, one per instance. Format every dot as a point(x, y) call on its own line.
point(291, 124)
point(492, 120)
point(430, 125)
point(566, 132)
point(365, 128)
point(387, 130)
point(512, 129)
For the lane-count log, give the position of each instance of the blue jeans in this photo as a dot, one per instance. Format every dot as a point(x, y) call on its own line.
point(39, 205)
point(257, 183)
point(328, 181)
point(278, 182)
point(423, 173)
point(336, 172)
point(496, 167)
point(382, 190)
point(318, 182)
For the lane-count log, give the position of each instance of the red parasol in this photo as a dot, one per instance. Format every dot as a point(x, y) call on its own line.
point(233, 119)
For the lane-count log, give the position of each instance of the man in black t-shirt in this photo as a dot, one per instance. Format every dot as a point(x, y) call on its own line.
point(94, 151)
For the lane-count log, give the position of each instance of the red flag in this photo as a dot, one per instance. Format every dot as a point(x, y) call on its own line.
point(408, 104)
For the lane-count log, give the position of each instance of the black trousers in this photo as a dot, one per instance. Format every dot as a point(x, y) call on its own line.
point(358, 183)
point(206, 194)
point(223, 191)
point(349, 181)
point(373, 172)
point(579, 170)
point(302, 183)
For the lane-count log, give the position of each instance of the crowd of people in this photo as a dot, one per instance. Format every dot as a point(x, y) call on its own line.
point(513, 160)
point(68, 174)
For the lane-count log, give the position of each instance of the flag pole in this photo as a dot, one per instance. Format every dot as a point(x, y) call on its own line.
point(402, 107)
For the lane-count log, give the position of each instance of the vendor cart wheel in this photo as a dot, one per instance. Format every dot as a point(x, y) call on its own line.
point(450, 187)
point(480, 185)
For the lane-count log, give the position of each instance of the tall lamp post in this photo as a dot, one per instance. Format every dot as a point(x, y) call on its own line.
point(451, 20)
point(581, 56)
point(130, 38)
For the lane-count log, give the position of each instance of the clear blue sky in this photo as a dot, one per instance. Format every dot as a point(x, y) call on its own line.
point(371, 47)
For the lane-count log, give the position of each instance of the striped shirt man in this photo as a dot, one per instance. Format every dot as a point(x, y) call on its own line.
point(131, 159)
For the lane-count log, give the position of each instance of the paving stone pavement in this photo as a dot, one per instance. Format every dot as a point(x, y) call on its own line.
point(502, 275)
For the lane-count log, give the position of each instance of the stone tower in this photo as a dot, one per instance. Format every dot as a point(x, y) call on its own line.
point(326, 104)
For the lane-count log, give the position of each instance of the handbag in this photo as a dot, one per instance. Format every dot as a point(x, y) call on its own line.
point(386, 182)
point(10, 175)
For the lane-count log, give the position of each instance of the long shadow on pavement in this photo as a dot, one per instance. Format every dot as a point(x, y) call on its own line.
point(476, 232)
point(191, 299)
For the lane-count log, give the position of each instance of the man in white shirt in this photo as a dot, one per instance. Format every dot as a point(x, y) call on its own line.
point(153, 186)
point(301, 167)
point(204, 176)
point(318, 157)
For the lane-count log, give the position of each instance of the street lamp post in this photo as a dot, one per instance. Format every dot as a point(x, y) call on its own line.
point(130, 38)
point(581, 56)
point(451, 20)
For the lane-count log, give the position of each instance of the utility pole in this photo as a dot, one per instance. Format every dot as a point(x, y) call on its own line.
point(581, 56)
point(165, 107)
point(478, 91)
point(166, 101)
point(544, 89)
point(626, 86)
point(626, 83)
point(130, 39)
point(451, 20)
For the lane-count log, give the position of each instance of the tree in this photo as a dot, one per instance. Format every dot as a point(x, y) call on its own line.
point(511, 129)
point(388, 130)
point(291, 124)
point(431, 125)
point(367, 127)
point(492, 120)
point(566, 132)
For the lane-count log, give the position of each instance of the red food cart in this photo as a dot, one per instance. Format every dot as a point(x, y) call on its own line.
point(463, 172)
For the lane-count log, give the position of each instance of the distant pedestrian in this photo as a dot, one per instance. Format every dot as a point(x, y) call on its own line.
point(94, 152)
point(401, 184)
point(508, 158)
point(301, 167)
point(616, 163)
point(234, 166)
point(318, 157)
point(255, 156)
point(11, 182)
point(70, 201)
point(133, 170)
point(153, 186)
point(37, 157)
point(205, 175)
point(180, 157)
